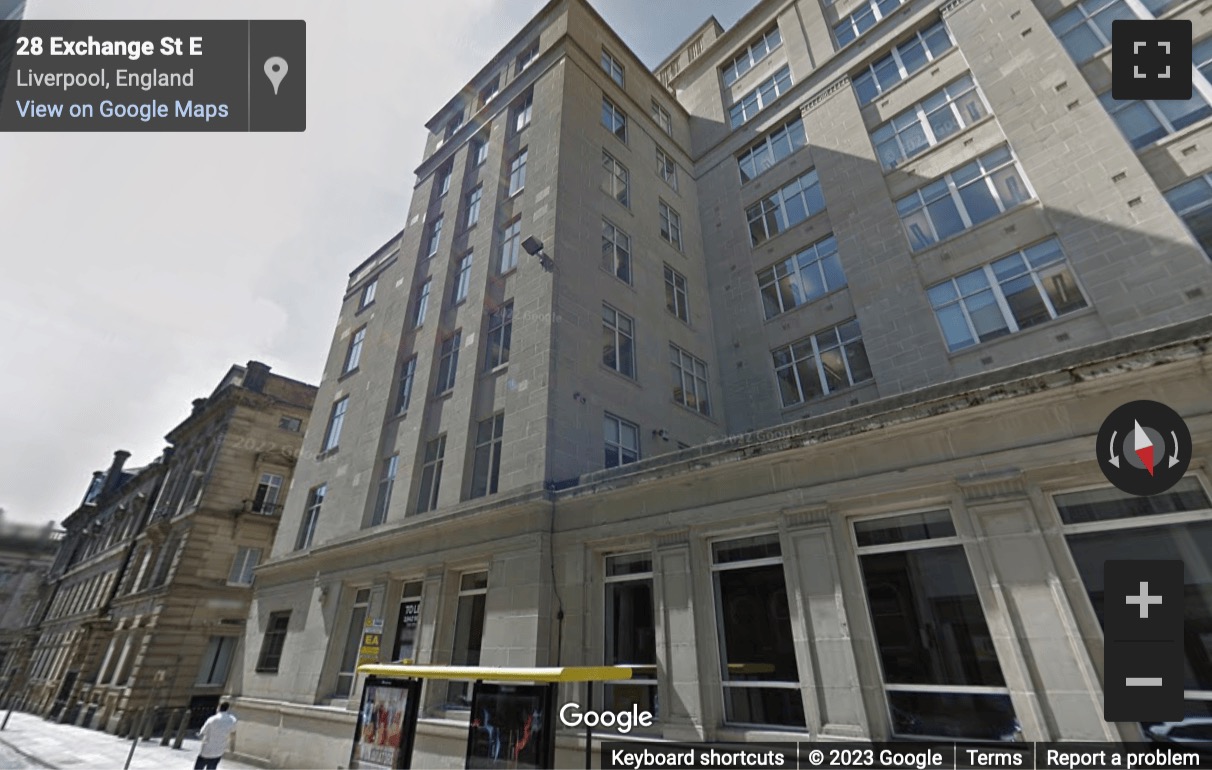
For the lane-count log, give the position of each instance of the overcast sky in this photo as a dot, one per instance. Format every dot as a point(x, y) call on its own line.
point(136, 268)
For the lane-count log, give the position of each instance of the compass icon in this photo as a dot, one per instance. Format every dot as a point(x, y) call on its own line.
point(1144, 448)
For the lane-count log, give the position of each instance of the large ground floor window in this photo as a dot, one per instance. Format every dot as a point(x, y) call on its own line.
point(941, 673)
point(631, 632)
point(1105, 524)
point(468, 634)
point(753, 619)
point(353, 642)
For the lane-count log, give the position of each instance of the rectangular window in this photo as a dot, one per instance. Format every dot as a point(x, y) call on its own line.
point(311, 516)
point(1146, 121)
point(216, 662)
point(418, 315)
point(462, 279)
point(479, 150)
point(500, 336)
point(486, 466)
point(1085, 29)
point(1105, 524)
point(671, 225)
point(1016, 292)
point(273, 643)
point(853, 26)
point(821, 364)
point(431, 474)
point(489, 91)
point(435, 237)
point(408, 623)
point(269, 491)
point(760, 98)
point(1193, 202)
point(675, 294)
point(292, 424)
point(511, 242)
point(444, 175)
point(527, 57)
point(517, 173)
point(387, 483)
point(408, 375)
point(613, 67)
point(753, 624)
point(353, 643)
point(902, 61)
point(448, 362)
point(785, 208)
point(618, 341)
point(616, 182)
point(454, 125)
point(631, 631)
point(801, 278)
point(689, 381)
point(939, 661)
point(473, 206)
point(353, 355)
point(940, 115)
point(614, 119)
point(616, 252)
point(774, 147)
point(368, 294)
point(468, 634)
point(667, 168)
point(662, 117)
point(622, 441)
point(332, 436)
point(242, 566)
point(522, 112)
point(963, 198)
point(753, 53)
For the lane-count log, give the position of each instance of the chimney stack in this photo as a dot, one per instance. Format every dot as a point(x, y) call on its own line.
point(255, 375)
point(114, 475)
point(94, 487)
point(199, 405)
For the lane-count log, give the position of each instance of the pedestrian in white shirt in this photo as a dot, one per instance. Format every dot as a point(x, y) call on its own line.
point(215, 734)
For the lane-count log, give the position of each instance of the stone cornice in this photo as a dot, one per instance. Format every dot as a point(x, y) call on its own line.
point(981, 488)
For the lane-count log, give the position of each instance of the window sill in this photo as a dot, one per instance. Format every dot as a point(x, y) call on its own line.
point(985, 347)
point(805, 228)
point(363, 308)
point(883, 95)
point(619, 375)
point(615, 276)
point(987, 224)
point(783, 315)
point(693, 411)
point(443, 395)
point(346, 375)
point(496, 370)
point(824, 399)
point(507, 273)
point(327, 453)
point(909, 166)
point(399, 415)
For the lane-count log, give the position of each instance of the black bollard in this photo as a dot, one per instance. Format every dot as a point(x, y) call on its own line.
point(170, 727)
point(185, 719)
point(149, 725)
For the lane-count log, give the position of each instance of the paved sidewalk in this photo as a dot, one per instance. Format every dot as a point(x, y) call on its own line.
point(37, 743)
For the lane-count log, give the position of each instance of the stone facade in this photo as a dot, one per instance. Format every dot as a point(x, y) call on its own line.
point(26, 555)
point(856, 511)
point(152, 583)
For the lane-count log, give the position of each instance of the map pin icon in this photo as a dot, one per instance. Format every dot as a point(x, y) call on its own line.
point(275, 70)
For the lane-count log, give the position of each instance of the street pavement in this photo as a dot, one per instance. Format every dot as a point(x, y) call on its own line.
point(32, 742)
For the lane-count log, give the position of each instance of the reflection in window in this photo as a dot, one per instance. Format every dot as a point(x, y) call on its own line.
point(631, 631)
point(941, 672)
point(1106, 524)
point(753, 619)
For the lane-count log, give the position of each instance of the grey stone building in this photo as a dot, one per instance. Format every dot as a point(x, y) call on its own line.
point(26, 555)
point(810, 427)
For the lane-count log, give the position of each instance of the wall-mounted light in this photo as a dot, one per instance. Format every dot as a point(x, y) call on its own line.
point(534, 247)
point(578, 397)
point(661, 434)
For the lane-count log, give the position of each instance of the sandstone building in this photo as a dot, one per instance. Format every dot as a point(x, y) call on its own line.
point(151, 585)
